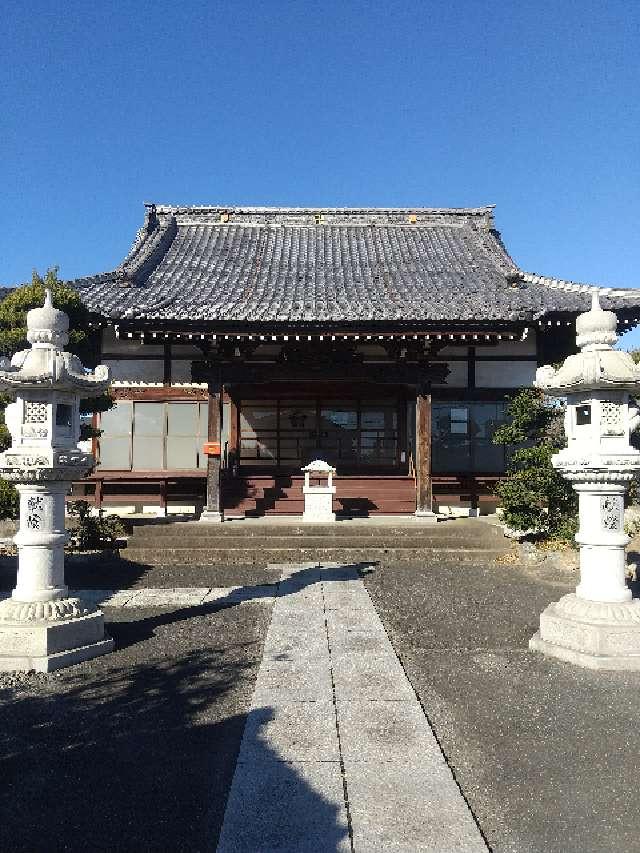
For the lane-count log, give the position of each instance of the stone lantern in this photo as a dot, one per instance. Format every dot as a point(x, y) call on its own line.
point(41, 626)
point(598, 626)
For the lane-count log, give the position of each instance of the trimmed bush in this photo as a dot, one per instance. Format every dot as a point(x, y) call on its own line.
point(535, 498)
point(9, 500)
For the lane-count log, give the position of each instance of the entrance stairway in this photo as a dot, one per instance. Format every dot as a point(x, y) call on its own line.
point(356, 496)
point(262, 542)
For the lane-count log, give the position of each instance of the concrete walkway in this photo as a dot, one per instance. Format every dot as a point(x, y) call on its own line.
point(337, 754)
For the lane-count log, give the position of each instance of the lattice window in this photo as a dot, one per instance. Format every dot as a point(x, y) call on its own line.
point(35, 413)
point(611, 418)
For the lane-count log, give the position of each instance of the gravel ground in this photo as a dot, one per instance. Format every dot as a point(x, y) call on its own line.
point(97, 571)
point(134, 750)
point(544, 752)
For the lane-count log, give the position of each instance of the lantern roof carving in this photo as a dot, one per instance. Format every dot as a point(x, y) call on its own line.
point(46, 363)
point(597, 365)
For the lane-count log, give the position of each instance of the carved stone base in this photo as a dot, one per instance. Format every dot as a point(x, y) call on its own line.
point(44, 645)
point(593, 634)
point(210, 517)
point(318, 504)
point(427, 517)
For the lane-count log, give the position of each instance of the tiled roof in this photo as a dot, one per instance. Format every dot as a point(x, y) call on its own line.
point(280, 265)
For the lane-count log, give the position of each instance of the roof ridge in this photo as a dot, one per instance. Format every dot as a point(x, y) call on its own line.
point(318, 209)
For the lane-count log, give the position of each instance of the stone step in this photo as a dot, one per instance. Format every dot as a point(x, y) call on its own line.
point(459, 529)
point(263, 556)
point(318, 541)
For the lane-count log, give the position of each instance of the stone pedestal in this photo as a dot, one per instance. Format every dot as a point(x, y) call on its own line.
point(318, 504)
point(50, 636)
point(593, 634)
point(210, 516)
point(426, 516)
point(598, 626)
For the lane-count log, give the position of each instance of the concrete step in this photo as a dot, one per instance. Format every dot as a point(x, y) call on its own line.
point(459, 529)
point(419, 540)
point(263, 556)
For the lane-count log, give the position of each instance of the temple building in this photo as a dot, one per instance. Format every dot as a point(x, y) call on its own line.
point(246, 342)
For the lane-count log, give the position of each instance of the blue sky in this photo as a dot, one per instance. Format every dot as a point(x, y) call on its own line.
point(533, 106)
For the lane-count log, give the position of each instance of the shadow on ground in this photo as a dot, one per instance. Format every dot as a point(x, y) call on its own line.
point(136, 750)
point(137, 630)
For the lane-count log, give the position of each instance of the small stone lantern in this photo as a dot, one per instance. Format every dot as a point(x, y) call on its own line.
point(598, 626)
point(41, 626)
point(318, 500)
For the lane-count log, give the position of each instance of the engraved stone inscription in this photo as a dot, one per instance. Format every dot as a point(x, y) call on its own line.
point(35, 506)
point(611, 512)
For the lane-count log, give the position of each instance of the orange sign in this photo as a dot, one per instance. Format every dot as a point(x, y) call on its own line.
point(212, 448)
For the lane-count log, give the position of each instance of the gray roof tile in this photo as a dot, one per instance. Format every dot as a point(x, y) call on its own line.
point(283, 265)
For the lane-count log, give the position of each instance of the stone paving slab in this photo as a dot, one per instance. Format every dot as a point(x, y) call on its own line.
point(107, 597)
point(168, 597)
point(407, 808)
point(366, 677)
point(348, 600)
point(337, 753)
point(296, 644)
point(386, 731)
point(302, 680)
point(289, 807)
point(291, 731)
point(370, 640)
point(241, 593)
point(348, 619)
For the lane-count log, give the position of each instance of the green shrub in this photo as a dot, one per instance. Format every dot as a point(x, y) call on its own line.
point(534, 497)
point(9, 500)
point(94, 531)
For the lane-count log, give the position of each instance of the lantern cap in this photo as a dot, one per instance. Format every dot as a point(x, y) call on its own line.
point(596, 328)
point(45, 363)
point(597, 365)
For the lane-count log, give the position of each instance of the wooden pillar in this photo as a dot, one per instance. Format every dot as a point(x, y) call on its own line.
point(213, 510)
point(234, 448)
point(162, 510)
point(424, 495)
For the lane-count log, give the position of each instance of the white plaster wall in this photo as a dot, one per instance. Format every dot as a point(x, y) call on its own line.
point(136, 370)
point(505, 374)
